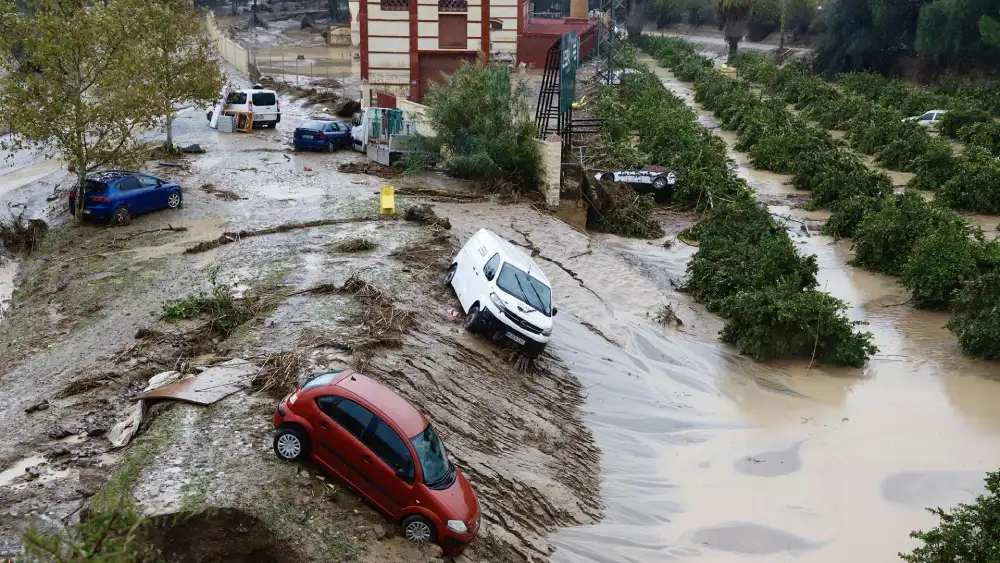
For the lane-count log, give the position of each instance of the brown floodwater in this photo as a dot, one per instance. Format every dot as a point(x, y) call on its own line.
point(707, 455)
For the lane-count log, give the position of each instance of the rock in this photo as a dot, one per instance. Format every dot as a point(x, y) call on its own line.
point(306, 22)
point(33, 472)
point(56, 452)
point(44, 405)
point(95, 429)
point(91, 481)
point(58, 433)
point(379, 530)
point(302, 517)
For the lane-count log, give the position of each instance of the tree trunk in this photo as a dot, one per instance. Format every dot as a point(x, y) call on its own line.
point(169, 127)
point(81, 180)
point(733, 44)
point(234, 7)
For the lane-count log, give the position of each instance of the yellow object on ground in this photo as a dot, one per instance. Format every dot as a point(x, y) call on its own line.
point(387, 201)
point(581, 103)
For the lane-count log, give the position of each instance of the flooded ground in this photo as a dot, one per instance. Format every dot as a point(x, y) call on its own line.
point(709, 456)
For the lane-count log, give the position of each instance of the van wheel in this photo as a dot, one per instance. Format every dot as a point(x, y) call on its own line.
point(450, 275)
point(418, 529)
point(471, 323)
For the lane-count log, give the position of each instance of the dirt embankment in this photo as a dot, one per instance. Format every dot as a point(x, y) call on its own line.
point(85, 334)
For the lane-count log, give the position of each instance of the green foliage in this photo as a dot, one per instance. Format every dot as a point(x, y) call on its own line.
point(942, 262)
point(631, 217)
point(989, 30)
point(975, 186)
point(225, 313)
point(864, 35)
point(948, 31)
point(776, 323)
point(934, 167)
point(976, 323)
point(885, 238)
point(835, 175)
point(967, 533)
point(741, 248)
point(847, 214)
point(105, 536)
point(985, 134)
point(483, 126)
point(956, 120)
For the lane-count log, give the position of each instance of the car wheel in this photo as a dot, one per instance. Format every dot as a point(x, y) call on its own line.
point(174, 200)
point(418, 529)
point(122, 216)
point(471, 323)
point(451, 274)
point(291, 444)
point(659, 183)
point(331, 147)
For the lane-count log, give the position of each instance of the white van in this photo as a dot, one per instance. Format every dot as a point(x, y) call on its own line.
point(262, 103)
point(504, 293)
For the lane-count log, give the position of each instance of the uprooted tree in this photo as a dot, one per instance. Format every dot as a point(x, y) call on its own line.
point(85, 84)
point(483, 128)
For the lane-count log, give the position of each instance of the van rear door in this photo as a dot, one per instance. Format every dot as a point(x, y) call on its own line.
point(264, 106)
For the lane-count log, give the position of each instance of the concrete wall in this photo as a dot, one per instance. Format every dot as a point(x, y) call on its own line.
point(416, 113)
point(227, 48)
point(550, 169)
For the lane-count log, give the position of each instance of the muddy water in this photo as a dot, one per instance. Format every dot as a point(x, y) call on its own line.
point(708, 455)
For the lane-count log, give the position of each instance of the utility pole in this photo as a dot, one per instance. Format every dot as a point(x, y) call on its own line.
point(781, 37)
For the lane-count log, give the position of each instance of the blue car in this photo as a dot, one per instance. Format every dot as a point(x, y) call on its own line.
point(321, 134)
point(118, 196)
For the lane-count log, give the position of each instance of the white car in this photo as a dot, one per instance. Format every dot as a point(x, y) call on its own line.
point(657, 179)
point(503, 292)
point(930, 119)
point(619, 75)
point(262, 103)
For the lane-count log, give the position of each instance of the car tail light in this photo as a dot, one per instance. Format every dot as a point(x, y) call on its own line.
point(99, 199)
point(321, 136)
point(277, 105)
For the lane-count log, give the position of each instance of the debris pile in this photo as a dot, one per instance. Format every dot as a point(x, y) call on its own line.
point(423, 213)
point(367, 167)
point(220, 193)
point(20, 235)
point(354, 244)
point(379, 319)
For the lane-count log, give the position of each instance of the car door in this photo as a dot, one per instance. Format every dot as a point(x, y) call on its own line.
point(155, 196)
point(390, 464)
point(130, 195)
point(342, 424)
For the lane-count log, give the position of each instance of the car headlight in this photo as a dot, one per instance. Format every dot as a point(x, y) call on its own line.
point(457, 526)
point(498, 302)
point(547, 332)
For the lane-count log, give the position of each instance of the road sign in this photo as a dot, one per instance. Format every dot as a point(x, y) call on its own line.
point(568, 61)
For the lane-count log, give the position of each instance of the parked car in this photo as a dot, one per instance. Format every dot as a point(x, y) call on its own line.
point(503, 292)
point(656, 179)
point(264, 105)
point(377, 442)
point(930, 119)
point(118, 196)
point(321, 134)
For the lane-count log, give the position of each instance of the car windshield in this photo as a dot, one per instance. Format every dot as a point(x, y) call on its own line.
point(314, 125)
point(321, 380)
point(431, 455)
point(520, 284)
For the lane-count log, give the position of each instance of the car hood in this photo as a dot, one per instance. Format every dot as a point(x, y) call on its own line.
point(523, 310)
point(459, 499)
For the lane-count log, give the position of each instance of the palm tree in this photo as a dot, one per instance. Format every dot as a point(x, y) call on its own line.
point(734, 15)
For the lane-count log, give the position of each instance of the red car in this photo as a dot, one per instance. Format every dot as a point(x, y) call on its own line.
point(381, 445)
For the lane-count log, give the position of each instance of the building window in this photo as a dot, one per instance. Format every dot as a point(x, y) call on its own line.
point(453, 5)
point(395, 5)
point(453, 31)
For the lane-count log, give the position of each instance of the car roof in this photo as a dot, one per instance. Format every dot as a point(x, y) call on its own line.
point(257, 91)
point(108, 175)
point(512, 254)
point(397, 409)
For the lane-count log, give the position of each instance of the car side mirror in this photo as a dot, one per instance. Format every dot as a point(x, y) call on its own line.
point(554, 311)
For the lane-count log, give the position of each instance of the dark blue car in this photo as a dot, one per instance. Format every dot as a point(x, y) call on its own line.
point(323, 135)
point(118, 196)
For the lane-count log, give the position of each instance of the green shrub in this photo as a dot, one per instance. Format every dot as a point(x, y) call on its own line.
point(632, 217)
point(934, 167)
point(833, 175)
point(835, 113)
point(942, 262)
point(956, 120)
point(847, 214)
point(884, 239)
point(903, 153)
point(967, 533)
point(976, 322)
point(777, 323)
point(876, 127)
point(741, 248)
point(495, 143)
point(975, 185)
point(985, 134)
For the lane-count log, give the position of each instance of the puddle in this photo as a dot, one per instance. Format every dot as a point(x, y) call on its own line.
point(19, 469)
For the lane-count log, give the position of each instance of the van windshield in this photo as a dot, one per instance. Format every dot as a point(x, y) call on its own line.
point(523, 286)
